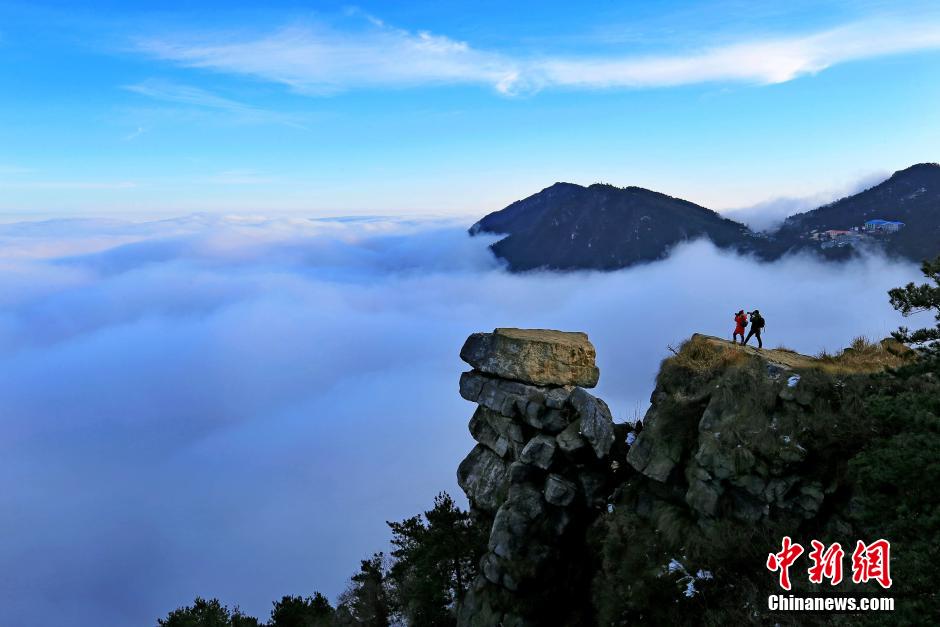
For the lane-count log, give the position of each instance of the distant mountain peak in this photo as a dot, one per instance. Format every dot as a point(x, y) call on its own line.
point(601, 226)
point(919, 167)
point(568, 226)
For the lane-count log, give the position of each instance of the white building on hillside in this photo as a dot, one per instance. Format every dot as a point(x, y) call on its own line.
point(883, 226)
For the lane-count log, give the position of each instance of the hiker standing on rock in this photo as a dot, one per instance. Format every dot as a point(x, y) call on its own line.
point(757, 325)
point(740, 321)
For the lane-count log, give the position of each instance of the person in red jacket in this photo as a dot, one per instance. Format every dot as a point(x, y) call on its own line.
point(740, 321)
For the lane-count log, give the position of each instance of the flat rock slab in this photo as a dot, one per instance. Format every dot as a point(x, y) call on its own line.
point(536, 356)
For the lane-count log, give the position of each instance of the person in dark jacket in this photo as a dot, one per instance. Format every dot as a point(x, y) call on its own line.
point(740, 321)
point(757, 325)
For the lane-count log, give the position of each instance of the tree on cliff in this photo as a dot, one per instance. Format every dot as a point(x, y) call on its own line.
point(435, 562)
point(435, 559)
point(290, 611)
point(365, 603)
point(912, 299)
point(896, 479)
point(211, 613)
point(297, 611)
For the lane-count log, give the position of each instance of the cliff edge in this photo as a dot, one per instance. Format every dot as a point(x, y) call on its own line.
point(592, 522)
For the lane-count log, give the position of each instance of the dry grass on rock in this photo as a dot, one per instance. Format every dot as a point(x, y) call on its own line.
point(863, 355)
point(699, 354)
point(703, 354)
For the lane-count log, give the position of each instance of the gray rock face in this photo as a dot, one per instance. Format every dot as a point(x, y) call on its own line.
point(703, 497)
point(660, 446)
point(541, 446)
point(485, 434)
point(724, 442)
point(559, 491)
point(484, 476)
point(597, 426)
point(738, 445)
point(511, 398)
point(536, 356)
point(520, 472)
point(546, 419)
point(570, 440)
point(501, 434)
point(810, 499)
point(539, 452)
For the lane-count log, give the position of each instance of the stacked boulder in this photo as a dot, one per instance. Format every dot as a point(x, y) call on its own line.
point(540, 472)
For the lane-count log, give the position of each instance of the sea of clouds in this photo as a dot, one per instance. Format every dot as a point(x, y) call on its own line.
point(234, 406)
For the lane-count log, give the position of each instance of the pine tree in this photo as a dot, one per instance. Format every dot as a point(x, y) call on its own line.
point(366, 601)
point(912, 299)
point(203, 613)
point(298, 611)
point(436, 559)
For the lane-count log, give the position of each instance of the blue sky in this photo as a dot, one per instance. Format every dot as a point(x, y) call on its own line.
point(453, 108)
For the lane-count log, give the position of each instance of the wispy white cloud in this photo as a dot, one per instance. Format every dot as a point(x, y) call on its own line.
point(134, 134)
point(186, 94)
point(169, 91)
point(768, 214)
point(767, 61)
point(321, 60)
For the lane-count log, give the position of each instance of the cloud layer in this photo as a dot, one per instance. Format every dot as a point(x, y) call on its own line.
point(322, 60)
point(233, 406)
point(770, 214)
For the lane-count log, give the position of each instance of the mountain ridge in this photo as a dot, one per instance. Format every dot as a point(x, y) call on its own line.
point(567, 226)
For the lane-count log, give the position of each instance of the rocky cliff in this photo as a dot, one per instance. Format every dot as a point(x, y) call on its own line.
point(738, 448)
point(540, 472)
point(737, 432)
